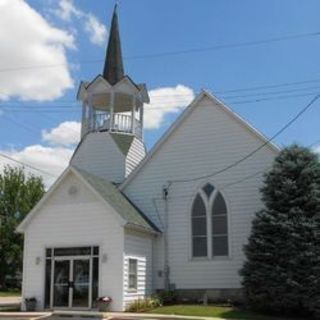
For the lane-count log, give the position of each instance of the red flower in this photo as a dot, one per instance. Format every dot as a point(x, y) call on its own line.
point(104, 299)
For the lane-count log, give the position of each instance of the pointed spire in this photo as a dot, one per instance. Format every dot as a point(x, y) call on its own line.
point(113, 67)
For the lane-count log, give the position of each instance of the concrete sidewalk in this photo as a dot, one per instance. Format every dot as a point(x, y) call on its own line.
point(10, 301)
point(90, 315)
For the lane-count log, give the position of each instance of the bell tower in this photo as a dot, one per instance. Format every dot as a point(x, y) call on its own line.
point(112, 117)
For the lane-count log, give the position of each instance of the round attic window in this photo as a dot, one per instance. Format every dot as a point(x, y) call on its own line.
point(73, 190)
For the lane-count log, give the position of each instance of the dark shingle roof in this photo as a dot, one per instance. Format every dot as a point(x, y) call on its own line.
point(123, 141)
point(111, 194)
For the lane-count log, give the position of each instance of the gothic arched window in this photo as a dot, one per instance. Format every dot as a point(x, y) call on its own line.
point(209, 224)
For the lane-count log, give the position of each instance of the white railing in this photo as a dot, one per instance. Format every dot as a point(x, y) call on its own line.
point(121, 123)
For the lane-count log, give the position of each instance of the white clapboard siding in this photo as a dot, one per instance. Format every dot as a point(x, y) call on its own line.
point(138, 246)
point(68, 221)
point(99, 154)
point(208, 140)
point(136, 153)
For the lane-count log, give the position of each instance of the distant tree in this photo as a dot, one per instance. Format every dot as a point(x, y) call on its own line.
point(282, 269)
point(19, 193)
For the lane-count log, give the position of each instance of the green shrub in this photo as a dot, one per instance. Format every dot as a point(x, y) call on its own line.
point(168, 297)
point(142, 305)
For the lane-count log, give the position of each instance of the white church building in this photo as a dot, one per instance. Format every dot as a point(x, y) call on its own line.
point(126, 223)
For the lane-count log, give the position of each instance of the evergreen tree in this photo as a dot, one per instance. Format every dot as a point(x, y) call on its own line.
point(282, 269)
point(18, 195)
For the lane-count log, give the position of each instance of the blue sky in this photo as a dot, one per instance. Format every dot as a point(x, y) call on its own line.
point(149, 27)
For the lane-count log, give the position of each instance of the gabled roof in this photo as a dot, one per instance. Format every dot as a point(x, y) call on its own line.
point(106, 191)
point(181, 119)
point(118, 201)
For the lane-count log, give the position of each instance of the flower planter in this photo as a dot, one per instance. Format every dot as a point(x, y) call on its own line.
point(104, 304)
point(31, 304)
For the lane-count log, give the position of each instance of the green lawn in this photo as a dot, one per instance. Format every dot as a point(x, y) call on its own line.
point(9, 294)
point(211, 311)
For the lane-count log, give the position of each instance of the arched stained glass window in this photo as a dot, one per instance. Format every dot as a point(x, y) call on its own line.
point(199, 228)
point(219, 227)
point(209, 214)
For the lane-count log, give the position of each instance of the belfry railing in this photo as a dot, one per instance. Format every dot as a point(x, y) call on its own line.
point(121, 123)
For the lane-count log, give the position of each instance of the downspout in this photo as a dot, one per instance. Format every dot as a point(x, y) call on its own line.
point(165, 194)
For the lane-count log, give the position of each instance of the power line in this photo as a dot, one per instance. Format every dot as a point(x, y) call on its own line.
point(284, 97)
point(227, 46)
point(177, 52)
point(267, 93)
point(27, 165)
point(270, 86)
point(164, 104)
point(216, 173)
point(260, 171)
point(254, 88)
point(249, 155)
point(239, 181)
point(18, 106)
point(32, 108)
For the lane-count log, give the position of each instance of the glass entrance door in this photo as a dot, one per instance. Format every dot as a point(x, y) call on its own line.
point(81, 283)
point(61, 284)
point(71, 277)
point(71, 287)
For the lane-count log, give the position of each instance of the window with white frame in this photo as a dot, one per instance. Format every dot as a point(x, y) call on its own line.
point(209, 224)
point(133, 274)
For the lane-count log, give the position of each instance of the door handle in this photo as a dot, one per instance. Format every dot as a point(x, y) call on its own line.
point(71, 284)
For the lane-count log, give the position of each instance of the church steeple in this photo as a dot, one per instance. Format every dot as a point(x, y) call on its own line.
point(112, 117)
point(113, 70)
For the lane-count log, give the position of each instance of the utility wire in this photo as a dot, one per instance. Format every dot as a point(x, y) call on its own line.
point(254, 88)
point(270, 86)
point(178, 52)
point(249, 155)
point(260, 171)
point(239, 181)
point(216, 173)
point(61, 108)
point(226, 46)
point(27, 165)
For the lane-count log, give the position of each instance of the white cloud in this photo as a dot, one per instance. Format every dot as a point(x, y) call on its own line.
point(164, 101)
point(96, 30)
point(65, 134)
point(48, 159)
point(28, 40)
point(66, 10)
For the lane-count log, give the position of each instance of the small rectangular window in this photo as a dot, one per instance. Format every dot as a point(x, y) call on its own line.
point(133, 274)
point(77, 251)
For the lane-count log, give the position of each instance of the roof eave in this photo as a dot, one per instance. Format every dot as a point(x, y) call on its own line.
point(135, 227)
